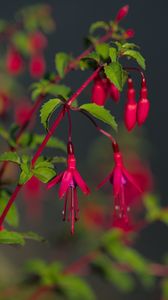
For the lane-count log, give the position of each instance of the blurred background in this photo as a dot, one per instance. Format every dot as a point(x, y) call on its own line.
point(73, 18)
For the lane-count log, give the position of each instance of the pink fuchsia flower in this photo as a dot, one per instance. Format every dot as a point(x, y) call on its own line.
point(14, 62)
point(37, 66)
point(37, 42)
point(120, 178)
point(69, 180)
point(99, 92)
point(130, 110)
point(122, 13)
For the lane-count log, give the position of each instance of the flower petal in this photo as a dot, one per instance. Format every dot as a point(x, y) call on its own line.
point(66, 181)
point(131, 179)
point(117, 180)
point(80, 182)
point(105, 180)
point(55, 180)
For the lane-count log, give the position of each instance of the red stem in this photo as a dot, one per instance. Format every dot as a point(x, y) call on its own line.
point(10, 202)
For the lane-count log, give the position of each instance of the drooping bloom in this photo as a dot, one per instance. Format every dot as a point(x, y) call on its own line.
point(14, 62)
point(130, 112)
point(120, 178)
point(99, 92)
point(69, 180)
point(37, 66)
point(37, 42)
point(143, 104)
point(114, 92)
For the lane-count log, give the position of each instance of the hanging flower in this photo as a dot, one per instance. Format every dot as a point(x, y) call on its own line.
point(69, 180)
point(120, 178)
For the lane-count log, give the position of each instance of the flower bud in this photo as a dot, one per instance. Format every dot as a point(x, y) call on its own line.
point(114, 92)
point(99, 92)
point(129, 33)
point(130, 107)
point(123, 11)
point(143, 104)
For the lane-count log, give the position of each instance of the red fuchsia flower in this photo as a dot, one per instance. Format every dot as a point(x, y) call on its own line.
point(130, 112)
point(37, 66)
point(120, 178)
point(129, 33)
point(122, 13)
point(4, 104)
point(114, 92)
point(69, 180)
point(14, 62)
point(22, 113)
point(33, 193)
point(99, 92)
point(143, 104)
point(37, 42)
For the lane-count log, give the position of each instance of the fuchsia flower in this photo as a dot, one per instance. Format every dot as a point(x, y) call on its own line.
point(37, 42)
point(122, 13)
point(14, 62)
point(37, 66)
point(99, 92)
point(143, 104)
point(120, 178)
point(130, 112)
point(69, 180)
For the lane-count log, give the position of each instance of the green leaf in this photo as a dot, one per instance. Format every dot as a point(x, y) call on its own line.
point(21, 42)
point(59, 90)
point(10, 156)
point(104, 266)
point(58, 160)
point(61, 61)
point(153, 209)
point(130, 46)
point(11, 238)
point(74, 288)
point(44, 174)
point(100, 113)
point(137, 56)
point(113, 54)
point(12, 217)
point(114, 73)
point(24, 177)
point(93, 56)
point(48, 109)
point(103, 50)
point(32, 236)
point(26, 172)
point(98, 25)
